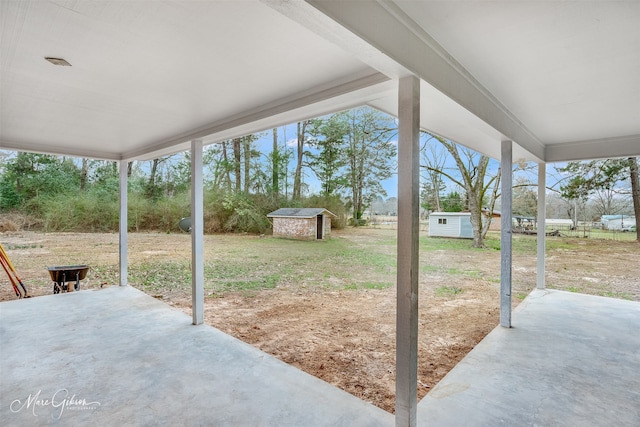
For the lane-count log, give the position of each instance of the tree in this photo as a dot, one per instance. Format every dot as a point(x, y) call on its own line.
point(525, 199)
point(434, 157)
point(302, 131)
point(236, 164)
point(247, 153)
point(84, 174)
point(370, 150)
point(453, 202)
point(153, 189)
point(430, 196)
point(275, 165)
point(634, 176)
point(480, 187)
point(31, 175)
point(328, 160)
point(608, 202)
point(588, 177)
point(226, 166)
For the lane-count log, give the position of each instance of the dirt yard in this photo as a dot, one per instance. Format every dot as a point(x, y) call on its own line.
point(332, 317)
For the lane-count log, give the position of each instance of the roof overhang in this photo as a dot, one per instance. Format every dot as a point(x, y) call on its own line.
point(557, 78)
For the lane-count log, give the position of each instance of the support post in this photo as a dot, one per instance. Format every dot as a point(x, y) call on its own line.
point(197, 234)
point(506, 226)
point(124, 221)
point(408, 238)
point(542, 215)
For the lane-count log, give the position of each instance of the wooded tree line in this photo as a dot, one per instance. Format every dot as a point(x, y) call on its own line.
point(349, 154)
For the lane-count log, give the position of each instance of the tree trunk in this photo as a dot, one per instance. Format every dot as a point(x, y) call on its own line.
point(227, 172)
point(492, 204)
point(236, 164)
point(84, 173)
point(436, 191)
point(152, 178)
point(476, 223)
point(297, 178)
point(473, 183)
point(635, 191)
point(247, 163)
point(275, 165)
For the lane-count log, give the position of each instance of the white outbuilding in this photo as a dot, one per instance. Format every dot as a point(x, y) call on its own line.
point(450, 224)
point(617, 222)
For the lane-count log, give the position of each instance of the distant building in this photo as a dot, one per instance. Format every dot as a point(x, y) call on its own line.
point(496, 218)
point(302, 223)
point(617, 222)
point(450, 224)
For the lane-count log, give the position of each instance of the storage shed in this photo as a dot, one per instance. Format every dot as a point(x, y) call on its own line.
point(450, 224)
point(302, 223)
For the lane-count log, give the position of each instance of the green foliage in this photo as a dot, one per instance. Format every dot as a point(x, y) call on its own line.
point(587, 177)
point(243, 214)
point(453, 202)
point(9, 198)
point(28, 175)
point(431, 188)
point(332, 203)
point(328, 138)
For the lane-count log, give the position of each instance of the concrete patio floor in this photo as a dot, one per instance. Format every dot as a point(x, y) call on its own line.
point(569, 360)
point(117, 357)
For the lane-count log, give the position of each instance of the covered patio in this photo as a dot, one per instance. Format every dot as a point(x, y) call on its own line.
point(117, 356)
point(569, 360)
point(519, 81)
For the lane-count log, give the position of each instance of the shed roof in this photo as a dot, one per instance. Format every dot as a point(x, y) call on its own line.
point(450, 213)
point(299, 213)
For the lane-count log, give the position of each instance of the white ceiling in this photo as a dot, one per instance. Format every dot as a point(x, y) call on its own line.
point(558, 78)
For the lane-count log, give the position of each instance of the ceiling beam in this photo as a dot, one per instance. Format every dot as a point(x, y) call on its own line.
point(606, 148)
point(384, 26)
point(44, 148)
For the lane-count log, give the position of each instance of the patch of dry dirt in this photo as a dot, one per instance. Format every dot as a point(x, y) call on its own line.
point(347, 337)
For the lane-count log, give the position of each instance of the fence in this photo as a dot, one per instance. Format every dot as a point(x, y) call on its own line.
point(583, 231)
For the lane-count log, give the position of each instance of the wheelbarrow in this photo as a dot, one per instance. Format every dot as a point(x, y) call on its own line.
point(63, 275)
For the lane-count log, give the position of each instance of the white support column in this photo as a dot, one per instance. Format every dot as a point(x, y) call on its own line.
point(408, 238)
point(506, 225)
point(197, 234)
point(124, 221)
point(542, 215)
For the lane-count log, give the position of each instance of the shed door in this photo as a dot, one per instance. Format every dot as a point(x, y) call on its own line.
point(320, 224)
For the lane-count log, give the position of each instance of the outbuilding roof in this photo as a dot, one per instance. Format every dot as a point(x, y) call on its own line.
point(450, 213)
point(299, 213)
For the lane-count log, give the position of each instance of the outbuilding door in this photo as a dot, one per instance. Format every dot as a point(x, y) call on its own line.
point(319, 227)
